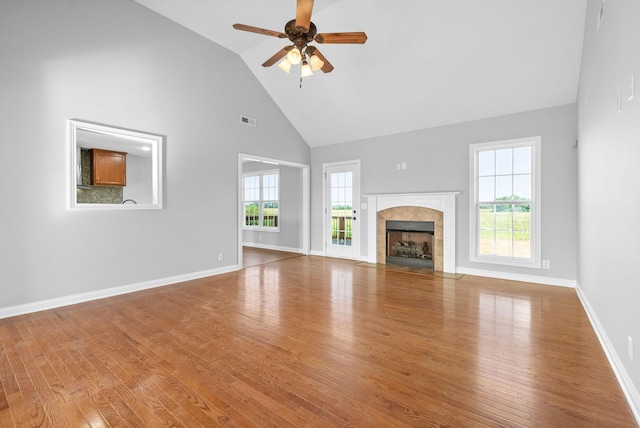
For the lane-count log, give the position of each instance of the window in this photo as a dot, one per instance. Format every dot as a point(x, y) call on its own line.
point(261, 200)
point(505, 202)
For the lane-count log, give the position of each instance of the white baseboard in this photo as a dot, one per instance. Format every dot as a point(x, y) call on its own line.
point(108, 292)
point(626, 384)
point(322, 254)
point(273, 247)
point(518, 277)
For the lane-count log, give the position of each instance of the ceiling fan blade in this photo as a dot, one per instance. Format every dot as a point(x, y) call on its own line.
point(277, 56)
point(327, 67)
point(303, 15)
point(251, 29)
point(358, 37)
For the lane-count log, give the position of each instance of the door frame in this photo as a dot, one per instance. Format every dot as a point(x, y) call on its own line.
point(305, 208)
point(356, 205)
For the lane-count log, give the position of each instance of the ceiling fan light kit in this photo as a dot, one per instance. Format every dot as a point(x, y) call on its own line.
point(316, 63)
point(285, 65)
point(305, 70)
point(301, 31)
point(294, 56)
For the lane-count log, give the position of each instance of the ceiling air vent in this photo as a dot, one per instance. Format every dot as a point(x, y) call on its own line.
point(248, 121)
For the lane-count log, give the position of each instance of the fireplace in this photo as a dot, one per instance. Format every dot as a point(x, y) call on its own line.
point(410, 243)
point(439, 208)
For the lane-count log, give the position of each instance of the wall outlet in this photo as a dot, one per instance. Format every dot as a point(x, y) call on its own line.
point(220, 257)
point(546, 264)
point(630, 348)
point(260, 237)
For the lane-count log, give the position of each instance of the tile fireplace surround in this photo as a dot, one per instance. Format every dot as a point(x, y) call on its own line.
point(440, 208)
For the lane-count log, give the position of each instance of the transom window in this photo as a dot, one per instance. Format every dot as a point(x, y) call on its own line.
point(505, 213)
point(261, 197)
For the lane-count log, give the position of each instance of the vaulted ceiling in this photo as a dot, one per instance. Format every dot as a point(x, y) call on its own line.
point(426, 63)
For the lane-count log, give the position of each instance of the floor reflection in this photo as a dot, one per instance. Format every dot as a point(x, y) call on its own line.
point(342, 303)
point(261, 297)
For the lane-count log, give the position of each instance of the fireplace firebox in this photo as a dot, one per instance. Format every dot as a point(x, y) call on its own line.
point(410, 243)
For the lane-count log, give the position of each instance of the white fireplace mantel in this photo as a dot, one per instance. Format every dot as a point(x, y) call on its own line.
point(440, 201)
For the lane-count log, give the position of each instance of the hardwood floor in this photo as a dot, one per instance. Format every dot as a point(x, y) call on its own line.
point(309, 341)
point(258, 256)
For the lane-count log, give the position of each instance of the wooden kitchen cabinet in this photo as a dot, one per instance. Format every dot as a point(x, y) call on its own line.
point(108, 168)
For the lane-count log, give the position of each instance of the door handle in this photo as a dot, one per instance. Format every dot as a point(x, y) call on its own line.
point(354, 218)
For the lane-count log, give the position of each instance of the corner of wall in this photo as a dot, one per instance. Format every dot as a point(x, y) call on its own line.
point(626, 384)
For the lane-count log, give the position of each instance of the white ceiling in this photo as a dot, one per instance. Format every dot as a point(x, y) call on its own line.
point(426, 63)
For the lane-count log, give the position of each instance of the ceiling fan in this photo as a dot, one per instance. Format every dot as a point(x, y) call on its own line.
point(301, 31)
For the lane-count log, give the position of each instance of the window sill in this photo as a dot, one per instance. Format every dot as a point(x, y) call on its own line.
point(261, 229)
point(507, 261)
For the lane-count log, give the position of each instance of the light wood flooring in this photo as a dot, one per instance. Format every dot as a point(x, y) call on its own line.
point(259, 256)
point(312, 341)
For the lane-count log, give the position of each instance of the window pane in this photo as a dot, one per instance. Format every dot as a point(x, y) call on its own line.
point(503, 232)
point(252, 195)
point(504, 243)
point(251, 214)
point(270, 214)
point(504, 188)
point(522, 231)
point(522, 160)
point(269, 193)
point(486, 229)
point(342, 196)
point(486, 163)
point(251, 182)
point(486, 188)
point(504, 161)
point(270, 187)
point(341, 225)
point(252, 188)
point(522, 187)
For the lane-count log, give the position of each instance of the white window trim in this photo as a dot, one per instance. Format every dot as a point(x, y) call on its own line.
point(536, 196)
point(261, 173)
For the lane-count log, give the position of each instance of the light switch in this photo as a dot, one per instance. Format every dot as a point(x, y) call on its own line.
point(632, 86)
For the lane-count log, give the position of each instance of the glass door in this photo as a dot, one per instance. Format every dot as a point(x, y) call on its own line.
point(342, 185)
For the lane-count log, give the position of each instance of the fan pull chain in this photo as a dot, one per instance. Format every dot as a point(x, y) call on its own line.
point(300, 81)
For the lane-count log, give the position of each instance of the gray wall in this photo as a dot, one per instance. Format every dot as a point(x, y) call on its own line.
point(609, 155)
point(289, 237)
point(438, 160)
point(118, 63)
point(139, 183)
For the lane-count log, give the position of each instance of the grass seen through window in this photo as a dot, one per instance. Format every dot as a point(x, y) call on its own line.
point(505, 230)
